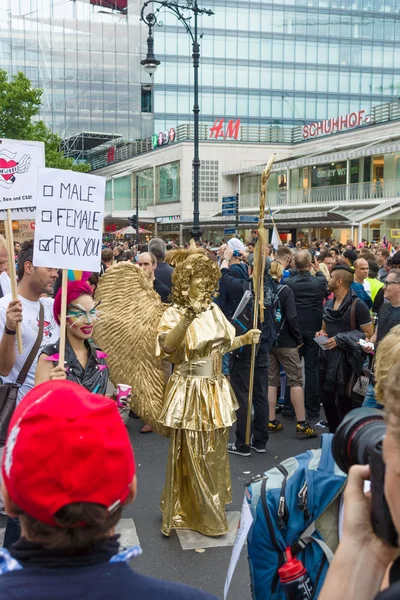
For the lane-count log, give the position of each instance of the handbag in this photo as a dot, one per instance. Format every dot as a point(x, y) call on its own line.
point(9, 391)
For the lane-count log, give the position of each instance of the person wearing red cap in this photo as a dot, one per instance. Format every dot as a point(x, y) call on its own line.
point(69, 508)
point(84, 363)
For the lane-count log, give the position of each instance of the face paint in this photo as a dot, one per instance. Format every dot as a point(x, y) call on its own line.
point(78, 313)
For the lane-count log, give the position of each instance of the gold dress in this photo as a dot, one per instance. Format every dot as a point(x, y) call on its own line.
point(199, 406)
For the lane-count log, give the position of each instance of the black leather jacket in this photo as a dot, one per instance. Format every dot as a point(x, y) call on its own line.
point(92, 378)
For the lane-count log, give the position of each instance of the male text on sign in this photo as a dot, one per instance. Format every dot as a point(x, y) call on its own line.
point(69, 220)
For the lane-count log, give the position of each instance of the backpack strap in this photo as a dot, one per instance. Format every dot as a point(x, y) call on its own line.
point(353, 314)
point(35, 349)
point(327, 462)
point(307, 537)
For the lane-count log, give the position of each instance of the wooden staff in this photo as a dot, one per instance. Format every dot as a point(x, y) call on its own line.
point(12, 272)
point(258, 284)
point(63, 317)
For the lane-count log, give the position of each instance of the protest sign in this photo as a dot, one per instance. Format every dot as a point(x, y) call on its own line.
point(19, 213)
point(20, 162)
point(69, 227)
point(69, 220)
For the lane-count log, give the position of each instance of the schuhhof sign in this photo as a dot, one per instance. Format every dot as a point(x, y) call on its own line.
point(349, 121)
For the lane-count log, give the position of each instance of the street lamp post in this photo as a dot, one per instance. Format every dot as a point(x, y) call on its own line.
point(184, 13)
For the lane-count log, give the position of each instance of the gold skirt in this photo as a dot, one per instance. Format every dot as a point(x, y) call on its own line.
point(198, 482)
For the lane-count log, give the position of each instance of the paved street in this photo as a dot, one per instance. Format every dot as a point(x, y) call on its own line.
point(164, 557)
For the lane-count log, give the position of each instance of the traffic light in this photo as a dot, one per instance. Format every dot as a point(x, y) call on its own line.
point(132, 221)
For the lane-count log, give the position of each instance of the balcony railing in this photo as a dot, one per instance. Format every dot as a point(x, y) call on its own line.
point(331, 193)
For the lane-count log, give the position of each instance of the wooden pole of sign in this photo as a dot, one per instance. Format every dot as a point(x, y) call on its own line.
point(12, 271)
point(64, 283)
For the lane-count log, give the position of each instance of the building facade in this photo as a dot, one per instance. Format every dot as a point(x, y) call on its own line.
point(85, 58)
point(280, 61)
point(344, 184)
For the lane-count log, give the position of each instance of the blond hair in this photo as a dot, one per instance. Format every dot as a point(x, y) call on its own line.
point(325, 271)
point(387, 358)
point(276, 270)
point(3, 243)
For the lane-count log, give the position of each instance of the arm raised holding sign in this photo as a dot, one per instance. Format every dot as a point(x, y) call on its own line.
point(9, 319)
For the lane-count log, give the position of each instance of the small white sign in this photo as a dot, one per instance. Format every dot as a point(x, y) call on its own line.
point(246, 521)
point(20, 162)
point(69, 220)
point(19, 213)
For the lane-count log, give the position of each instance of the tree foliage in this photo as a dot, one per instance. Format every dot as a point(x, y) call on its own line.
point(19, 110)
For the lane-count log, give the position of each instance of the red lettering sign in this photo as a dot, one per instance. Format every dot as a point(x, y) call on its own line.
point(111, 154)
point(232, 129)
point(334, 125)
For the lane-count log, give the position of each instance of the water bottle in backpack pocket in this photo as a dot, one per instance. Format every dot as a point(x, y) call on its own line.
point(295, 505)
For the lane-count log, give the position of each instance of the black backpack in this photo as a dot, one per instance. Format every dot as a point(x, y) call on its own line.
point(244, 321)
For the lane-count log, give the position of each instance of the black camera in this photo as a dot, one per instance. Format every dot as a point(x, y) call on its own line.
point(358, 441)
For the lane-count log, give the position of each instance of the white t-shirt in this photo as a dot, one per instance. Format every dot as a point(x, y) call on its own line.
point(30, 328)
point(5, 283)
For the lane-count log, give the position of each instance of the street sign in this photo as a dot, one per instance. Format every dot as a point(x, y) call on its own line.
point(229, 213)
point(228, 199)
point(229, 206)
point(248, 219)
point(230, 231)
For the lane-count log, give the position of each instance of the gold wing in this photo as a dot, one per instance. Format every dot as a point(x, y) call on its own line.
point(127, 329)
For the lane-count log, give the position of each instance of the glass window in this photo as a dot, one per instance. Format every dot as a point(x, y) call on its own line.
point(254, 77)
point(122, 187)
point(243, 48)
point(231, 75)
point(230, 106)
point(109, 189)
point(168, 183)
point(288, 50)
point(255, 49)
point(300, 52)
point(322, 53)
point(254, 106)
point(207, 103)
point(243, 105)
point(206, 73)
point(145, 186)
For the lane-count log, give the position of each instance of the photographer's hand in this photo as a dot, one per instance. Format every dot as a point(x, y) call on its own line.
point(362, 558)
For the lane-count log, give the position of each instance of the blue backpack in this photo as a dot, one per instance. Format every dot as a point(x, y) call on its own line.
point(295, 504)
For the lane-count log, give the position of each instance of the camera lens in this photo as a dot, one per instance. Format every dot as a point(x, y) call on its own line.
point(360, 431)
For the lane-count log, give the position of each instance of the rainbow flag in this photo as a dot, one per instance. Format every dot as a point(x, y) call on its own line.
point(78, 275)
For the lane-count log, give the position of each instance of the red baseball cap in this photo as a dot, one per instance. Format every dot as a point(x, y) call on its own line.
point(66, 445)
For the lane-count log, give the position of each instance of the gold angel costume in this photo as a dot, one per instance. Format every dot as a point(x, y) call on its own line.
point(198, 405)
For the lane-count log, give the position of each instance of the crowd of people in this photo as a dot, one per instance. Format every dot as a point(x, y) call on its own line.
point(328, 310)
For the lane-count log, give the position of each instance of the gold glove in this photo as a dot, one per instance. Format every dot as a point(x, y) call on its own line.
point(251, 337)
point(176, 336)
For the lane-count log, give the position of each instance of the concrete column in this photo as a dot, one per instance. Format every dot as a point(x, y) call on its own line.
point(155, 228)
point(360, 230)
point(352, 233)
point(181, 234)
point(288, 186)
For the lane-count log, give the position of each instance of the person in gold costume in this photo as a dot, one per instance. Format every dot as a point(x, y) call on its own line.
point(199, 404)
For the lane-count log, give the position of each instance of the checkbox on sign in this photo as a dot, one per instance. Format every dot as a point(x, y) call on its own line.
point(47, 190)
point(44, 245)
point(47, 216)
